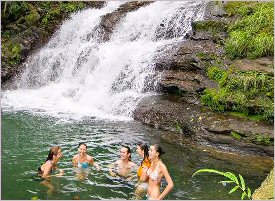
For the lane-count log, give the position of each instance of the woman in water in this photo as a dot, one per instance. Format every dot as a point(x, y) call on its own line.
point(50, 165)
point(155, 173)
point(142, 151)
point(47, 169)
point(82, 159)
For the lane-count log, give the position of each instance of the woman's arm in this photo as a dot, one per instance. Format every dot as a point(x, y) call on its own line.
point(74, 161)
point(92, 162)
point(169, 180)
point(111, 168)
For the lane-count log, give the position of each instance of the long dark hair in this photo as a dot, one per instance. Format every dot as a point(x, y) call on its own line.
point(159, 150)
point(53, 152)
point(128, 151)
point(144, 147)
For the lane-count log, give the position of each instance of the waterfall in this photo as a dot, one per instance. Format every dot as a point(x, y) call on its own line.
point(76, 75)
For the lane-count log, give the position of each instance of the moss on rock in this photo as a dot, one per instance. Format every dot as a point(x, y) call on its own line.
point(32, 18)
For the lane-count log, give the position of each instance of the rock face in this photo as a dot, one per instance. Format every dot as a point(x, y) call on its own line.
point(183, 73)
point(205, 127)
point(266, 190)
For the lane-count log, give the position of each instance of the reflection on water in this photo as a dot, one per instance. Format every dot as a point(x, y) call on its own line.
point(26, 140)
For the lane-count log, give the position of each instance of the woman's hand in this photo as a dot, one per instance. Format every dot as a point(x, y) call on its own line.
point(97, 166)
point(62, 172)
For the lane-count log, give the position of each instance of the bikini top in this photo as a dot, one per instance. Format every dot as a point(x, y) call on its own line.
point(84, 164)
point(154, 174)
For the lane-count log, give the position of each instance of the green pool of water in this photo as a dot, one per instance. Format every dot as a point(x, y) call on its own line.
point(26, 140)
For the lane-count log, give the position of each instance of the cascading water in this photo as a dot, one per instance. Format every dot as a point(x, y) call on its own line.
point(75, 75)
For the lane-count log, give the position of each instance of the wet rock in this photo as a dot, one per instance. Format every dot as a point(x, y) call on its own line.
point(178, 82)
point(266, 190)
point(265, 64)
point(203, 126)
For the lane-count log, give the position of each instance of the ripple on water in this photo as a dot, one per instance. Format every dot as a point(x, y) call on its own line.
point(26, 145)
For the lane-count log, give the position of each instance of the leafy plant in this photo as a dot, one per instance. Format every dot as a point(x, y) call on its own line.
point(178, 127)
point(248, 92)
point(252, 34)
point(239, 183)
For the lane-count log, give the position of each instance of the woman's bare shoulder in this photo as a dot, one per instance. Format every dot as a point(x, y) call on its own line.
point(162, 165)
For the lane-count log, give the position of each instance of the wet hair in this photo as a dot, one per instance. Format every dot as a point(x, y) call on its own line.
point(144, 147)
point(82, 143)
point(128, 151)
point(53, 152)
point(159, 150)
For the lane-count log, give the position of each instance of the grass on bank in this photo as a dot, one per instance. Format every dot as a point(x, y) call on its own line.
point(251, 35)
point(249, 93)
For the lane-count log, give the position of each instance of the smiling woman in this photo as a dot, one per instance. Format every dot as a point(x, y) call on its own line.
point(83, 160)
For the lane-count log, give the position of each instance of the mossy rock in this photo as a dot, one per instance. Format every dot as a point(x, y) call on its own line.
point(209, 25)
point(32, 18)
point(261, 140)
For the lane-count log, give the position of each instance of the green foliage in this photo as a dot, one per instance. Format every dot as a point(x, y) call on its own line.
point(249, 93)
point(216, 74)
point(239, 181)
point(235, 135)
point(17, 18)
point(252, 34)
point(178, 127)
point(214, 99)
point(32, 18)
point(210, 25)
point(262, 139)
point(241, 8)
point(14, 9)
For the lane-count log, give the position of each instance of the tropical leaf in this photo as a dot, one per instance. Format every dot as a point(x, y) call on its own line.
point(248, 192)
point(242, 182)
point(243, 195)
point(210, 171)
point(232, 177)
point(233, 189)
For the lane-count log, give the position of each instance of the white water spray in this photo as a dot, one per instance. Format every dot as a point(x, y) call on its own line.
point(75, 76)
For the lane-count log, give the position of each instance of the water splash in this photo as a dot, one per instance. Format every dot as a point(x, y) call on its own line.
point(76, 76)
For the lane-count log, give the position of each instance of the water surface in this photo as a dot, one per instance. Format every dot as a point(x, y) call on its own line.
point(26, 140)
